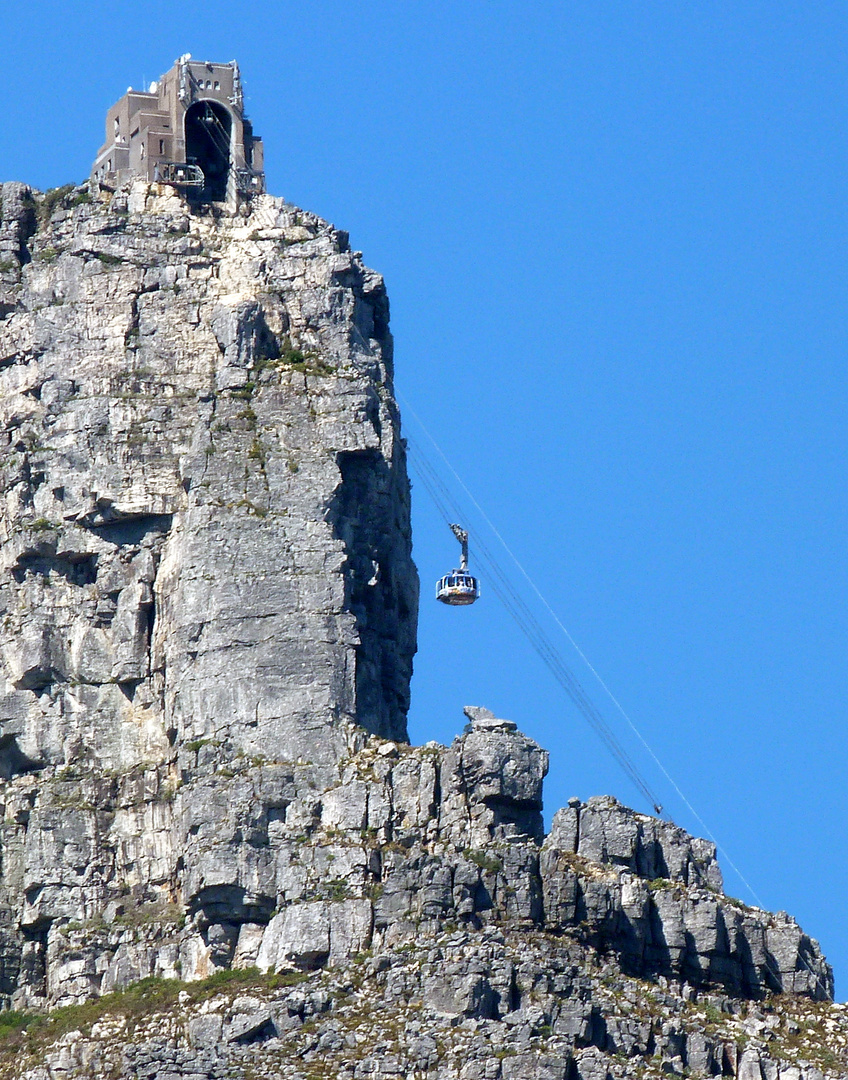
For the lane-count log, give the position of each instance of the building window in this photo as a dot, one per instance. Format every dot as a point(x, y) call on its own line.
point(161, 146)
point(208, 84)
point(142, 151)
point(217, 85)
point(117, 123)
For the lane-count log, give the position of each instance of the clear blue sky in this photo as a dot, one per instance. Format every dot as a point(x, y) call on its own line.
point(614, 237)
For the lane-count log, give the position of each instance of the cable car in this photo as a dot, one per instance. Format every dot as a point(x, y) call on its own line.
point(459, 586)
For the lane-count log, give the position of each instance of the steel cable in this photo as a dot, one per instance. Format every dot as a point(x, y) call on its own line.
point(532, 630)
point(517, 608)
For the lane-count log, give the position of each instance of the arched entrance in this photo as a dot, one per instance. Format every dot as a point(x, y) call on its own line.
point(208, 129)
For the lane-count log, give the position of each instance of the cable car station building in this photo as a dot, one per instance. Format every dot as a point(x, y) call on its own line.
point(189, 130)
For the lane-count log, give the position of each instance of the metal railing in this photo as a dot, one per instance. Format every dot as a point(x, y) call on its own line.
point(179, 174)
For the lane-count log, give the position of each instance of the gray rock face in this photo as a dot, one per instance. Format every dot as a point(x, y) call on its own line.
point(653, 894)
point(17, 224)
point(206, 501)
point(487, 1005)
point(207, 622)
point(204, 534)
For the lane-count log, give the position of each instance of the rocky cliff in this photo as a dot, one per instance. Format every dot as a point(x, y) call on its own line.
point(220, 856)
point(205, 546)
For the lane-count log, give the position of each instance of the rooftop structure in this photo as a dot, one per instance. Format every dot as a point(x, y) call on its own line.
point(188, 129)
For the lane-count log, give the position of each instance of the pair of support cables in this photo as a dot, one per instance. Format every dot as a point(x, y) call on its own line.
point(529, 625)
point(429, 462)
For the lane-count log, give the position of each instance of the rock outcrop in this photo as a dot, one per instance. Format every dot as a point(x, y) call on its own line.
point(214, 831)
point(204, 544)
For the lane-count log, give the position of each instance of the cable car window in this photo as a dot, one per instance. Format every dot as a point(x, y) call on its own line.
point(459, 587)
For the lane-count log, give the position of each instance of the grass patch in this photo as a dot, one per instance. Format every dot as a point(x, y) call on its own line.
point(244, 393)
point(154, 913)
point(52, 199)
point(337, 889)
point(252, 508)
point(13, 1021)
point(491, 863)
point(307, 363)
point(24, 1033)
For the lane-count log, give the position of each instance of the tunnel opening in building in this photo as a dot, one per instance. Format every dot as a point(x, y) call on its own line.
point(208, 129)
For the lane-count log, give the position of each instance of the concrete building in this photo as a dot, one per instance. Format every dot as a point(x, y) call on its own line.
point(189, 130)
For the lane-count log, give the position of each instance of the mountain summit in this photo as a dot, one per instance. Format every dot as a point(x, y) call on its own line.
point(220, 856)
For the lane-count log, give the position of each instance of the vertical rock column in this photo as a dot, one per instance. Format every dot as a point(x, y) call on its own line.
point(204, 547)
